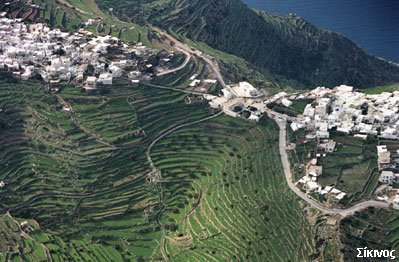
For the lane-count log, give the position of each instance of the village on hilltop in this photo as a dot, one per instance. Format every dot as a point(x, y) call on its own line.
point(51, 55)
point(351, 113)
point(35, 51)
point(342, 110)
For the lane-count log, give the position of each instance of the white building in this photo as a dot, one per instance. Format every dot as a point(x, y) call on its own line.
point(286, 102)
point(91, 82)
point(312, 186)
point(105, 78)
point(388, 177)
point(245, 89)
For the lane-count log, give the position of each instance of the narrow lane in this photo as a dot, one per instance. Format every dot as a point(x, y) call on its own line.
point(282, 123)
point(183, 47)
point(48, 256)
point(175, 89)
point(185, 62)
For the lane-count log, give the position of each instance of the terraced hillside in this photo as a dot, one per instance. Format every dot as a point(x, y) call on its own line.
point(84, 185)
point(286, 46)
point(69, 16)
point(376, 229)
point(84, 177)
point(18, 245)
point(232, 203)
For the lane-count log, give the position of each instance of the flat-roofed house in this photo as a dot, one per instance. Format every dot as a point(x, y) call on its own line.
point(384, 157)
point(388, 177)
point(106, 79)
point(91, 82)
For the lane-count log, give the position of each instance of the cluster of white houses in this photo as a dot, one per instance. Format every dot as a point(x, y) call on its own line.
point(310, 181)
point(36, 49)
point(241, 100)
point(349, 112)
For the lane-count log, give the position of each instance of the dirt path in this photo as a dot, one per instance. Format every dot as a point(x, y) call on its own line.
point(49, 259)
point(73, 7)
point(72, 113)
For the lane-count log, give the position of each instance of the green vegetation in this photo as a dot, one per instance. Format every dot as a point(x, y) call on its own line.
point(352, 168)
point(286, 47)
point(231, 205)
point(380, 89)
point(80, 185)
point(20, 247)
point(82, 177)
point(295, 109)
point(372, 228)
point(299, 105)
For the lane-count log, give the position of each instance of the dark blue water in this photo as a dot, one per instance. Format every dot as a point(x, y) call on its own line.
point(372, 24)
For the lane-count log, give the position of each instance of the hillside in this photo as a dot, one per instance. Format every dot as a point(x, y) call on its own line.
point(93, 196)
point(285, 45)
point(147, 172)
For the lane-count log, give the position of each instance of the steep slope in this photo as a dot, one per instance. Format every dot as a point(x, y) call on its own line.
point(285, 45)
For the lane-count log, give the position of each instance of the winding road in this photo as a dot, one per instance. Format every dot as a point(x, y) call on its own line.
point(180, 66)
point(187, 49)
point(282, 123)
point(175, 89)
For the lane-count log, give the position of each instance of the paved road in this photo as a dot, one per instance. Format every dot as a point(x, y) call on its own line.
point(180, 66)
point(175, 89)
point(212, 65)
point(282, 123)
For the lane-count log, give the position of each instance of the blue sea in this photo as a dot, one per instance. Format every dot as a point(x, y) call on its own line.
point(372, 24)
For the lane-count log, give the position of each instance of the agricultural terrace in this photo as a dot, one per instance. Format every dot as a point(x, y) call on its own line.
point(15, 246)
point(376, 229)
point(70, 14)
point(81, 185)
point(82, 175)
point(226, 194)
point(352, 168)
point(181, 78)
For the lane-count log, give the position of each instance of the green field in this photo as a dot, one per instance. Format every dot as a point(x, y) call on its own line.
point(372, 228)
point(352, 168)
point(231, 206)
point(380, 89)
point(82, 177)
